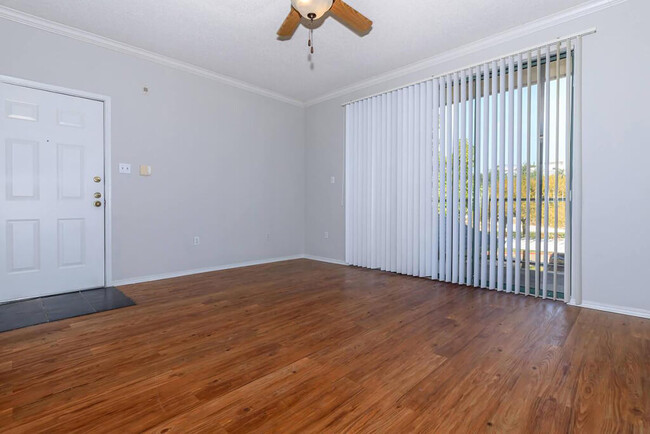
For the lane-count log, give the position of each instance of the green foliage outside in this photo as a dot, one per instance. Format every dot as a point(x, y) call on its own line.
point(529, 189)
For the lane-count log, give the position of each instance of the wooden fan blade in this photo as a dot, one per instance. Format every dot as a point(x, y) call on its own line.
point(351, 17)
point(290, 24)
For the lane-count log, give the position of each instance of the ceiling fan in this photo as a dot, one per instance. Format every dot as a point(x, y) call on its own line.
point(315, 9)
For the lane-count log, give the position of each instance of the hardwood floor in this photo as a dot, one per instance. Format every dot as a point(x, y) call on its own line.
point(303, 346)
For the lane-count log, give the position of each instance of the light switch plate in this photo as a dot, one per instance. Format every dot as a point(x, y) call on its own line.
point(125, 168)
point(145, 170)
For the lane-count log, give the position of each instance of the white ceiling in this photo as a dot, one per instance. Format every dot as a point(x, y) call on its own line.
point(237, 37)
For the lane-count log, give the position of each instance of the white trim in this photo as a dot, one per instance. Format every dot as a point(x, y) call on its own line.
point(576, 178)
point(324, 259)
point(108, 194)
point(153, 277)
point(91, 38)
point(52, 88)
point(108, 207)
point(555, 40)
point(480, 45)
point(641, 313)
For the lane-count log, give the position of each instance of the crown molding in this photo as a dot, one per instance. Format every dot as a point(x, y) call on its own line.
point(482, 44)
point(91, 38)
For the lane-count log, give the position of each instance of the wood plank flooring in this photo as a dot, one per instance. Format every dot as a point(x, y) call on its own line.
point(304, 346)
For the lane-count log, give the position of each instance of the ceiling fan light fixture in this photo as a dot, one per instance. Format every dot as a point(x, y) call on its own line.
point(312, 9)
point(315, 9)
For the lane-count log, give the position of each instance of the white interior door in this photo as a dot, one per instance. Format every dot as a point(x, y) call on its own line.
point(51, 193)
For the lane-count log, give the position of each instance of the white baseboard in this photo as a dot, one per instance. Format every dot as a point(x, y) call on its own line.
point(162, 276)
point(641, 313)
point(324, 259)
point(154, 277)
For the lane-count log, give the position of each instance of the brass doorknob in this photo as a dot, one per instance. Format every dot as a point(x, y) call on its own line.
point(97, 203)
point(97, 195)
point(97, 179)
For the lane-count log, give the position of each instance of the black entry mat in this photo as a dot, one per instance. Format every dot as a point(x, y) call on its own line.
point(19, 314)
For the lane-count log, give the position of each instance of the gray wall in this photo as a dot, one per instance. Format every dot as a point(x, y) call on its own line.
point(232, 166)
point(616, 186)
point(228, 165)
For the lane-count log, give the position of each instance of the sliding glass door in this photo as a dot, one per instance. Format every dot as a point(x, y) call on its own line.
point(526, 188)
point(466, 177)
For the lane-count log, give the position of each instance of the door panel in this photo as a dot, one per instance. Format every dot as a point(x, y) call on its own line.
point(22, 169)
point(72, 243)
point(23, 245)
point(51, 232)
point(70, 171)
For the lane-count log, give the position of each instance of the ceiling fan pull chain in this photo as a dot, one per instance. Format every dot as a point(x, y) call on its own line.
point(311, 17)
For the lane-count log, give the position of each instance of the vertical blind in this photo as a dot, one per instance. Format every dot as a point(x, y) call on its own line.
point(466, 177)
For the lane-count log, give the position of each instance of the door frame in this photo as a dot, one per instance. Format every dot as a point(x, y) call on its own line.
point(108, 196)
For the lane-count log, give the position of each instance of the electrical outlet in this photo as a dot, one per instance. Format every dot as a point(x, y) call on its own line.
point(197, 241)
point(333, 180)
point(326, 235)
point(125, 168)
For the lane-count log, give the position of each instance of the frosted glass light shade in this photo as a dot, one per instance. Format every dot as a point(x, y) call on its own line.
point(317, 7)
